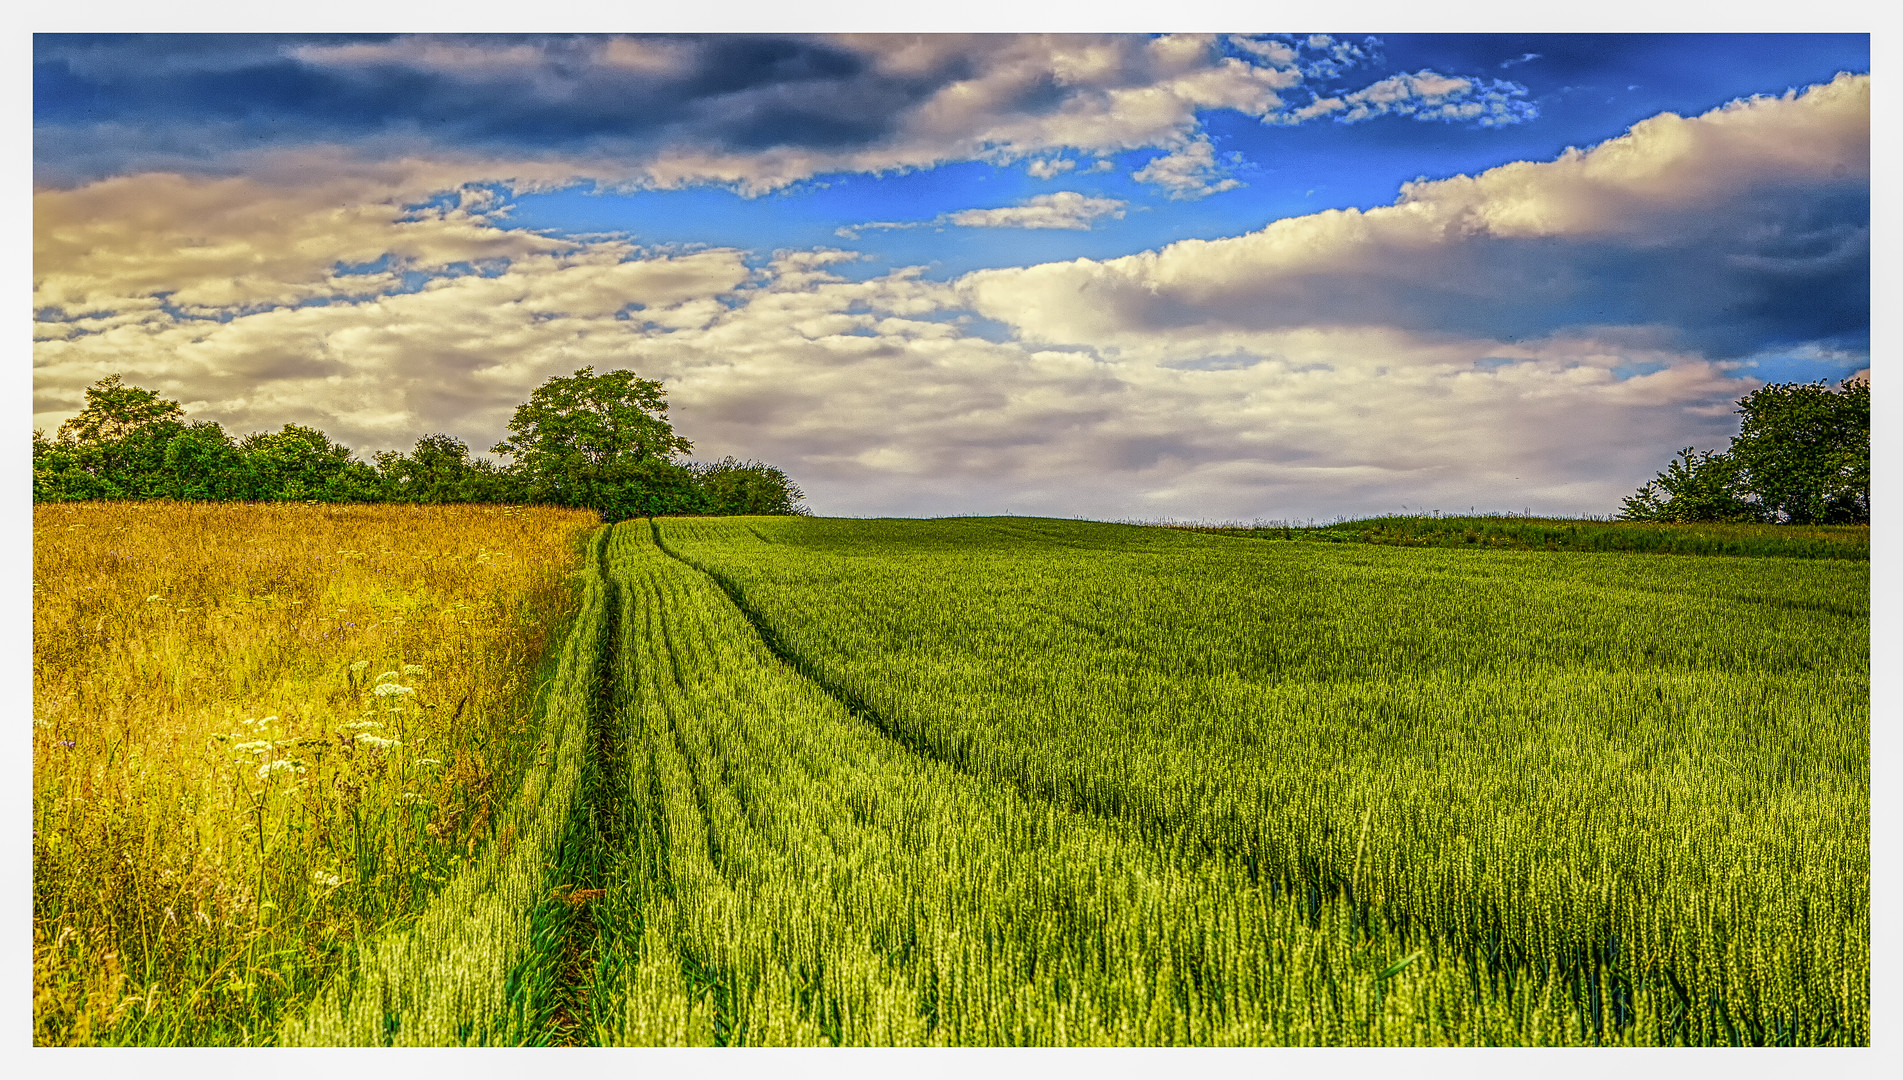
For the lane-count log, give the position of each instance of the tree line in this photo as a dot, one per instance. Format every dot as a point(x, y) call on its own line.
point(1801, 458)
point(599, 442)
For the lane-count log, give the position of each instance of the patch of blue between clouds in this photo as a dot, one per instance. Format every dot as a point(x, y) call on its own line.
point(1803, 369)
point(1634, 368)
point(378, 265)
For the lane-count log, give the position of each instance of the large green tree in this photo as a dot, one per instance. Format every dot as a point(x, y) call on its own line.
point(601, 442)
point(114, 410)
point(114, 448)
point(1804, 452)
point(1802, 457)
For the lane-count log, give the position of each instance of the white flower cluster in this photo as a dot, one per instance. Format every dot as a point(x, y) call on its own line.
point(325, 879)
point(272, 768)
point(392, 690)
point(412, 669)
point(377, 742)
point(362, 725)
point(257, 747)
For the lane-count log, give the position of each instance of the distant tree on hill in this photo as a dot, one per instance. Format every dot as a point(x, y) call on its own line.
point(114, 410)
point(598, 441)
point(1801, 458)
point(114, 448)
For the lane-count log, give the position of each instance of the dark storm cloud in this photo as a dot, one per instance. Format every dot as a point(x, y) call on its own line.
point(176, 97)
point(739, 92)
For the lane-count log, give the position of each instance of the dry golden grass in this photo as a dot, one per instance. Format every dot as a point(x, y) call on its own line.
point(222, 798)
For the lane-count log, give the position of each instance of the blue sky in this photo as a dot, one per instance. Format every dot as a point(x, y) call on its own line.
point(1197, 276)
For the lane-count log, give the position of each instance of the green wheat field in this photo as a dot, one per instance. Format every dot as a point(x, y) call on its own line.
point(1006, 781)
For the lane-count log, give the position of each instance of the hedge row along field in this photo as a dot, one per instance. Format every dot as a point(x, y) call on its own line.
point(1566, 534)
point(261, 732)
point(1013, 781)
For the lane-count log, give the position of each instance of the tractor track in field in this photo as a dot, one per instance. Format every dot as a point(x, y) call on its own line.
point(597, 833)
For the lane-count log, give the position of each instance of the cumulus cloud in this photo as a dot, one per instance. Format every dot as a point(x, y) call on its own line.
point(1722, 233)
point(1057, 210)
point(216, 244)
point(1191, 172)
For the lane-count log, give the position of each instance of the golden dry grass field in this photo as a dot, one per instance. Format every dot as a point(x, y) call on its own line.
point(262, 731)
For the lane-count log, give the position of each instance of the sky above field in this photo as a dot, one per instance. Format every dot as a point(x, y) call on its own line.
point(1207, 276)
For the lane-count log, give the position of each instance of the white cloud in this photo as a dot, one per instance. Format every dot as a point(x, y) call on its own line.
point(1190, 172)
point(874, 397)
point(1424, 95)
point(1048, 168)
point(1056, 210)
point(235, 243)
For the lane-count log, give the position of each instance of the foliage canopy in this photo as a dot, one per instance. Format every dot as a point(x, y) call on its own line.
point(600, 442)
point(1802, 457)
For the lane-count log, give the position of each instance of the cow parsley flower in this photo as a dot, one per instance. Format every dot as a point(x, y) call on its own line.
point(377, 742)
point(412, 669)
point(272, 768)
